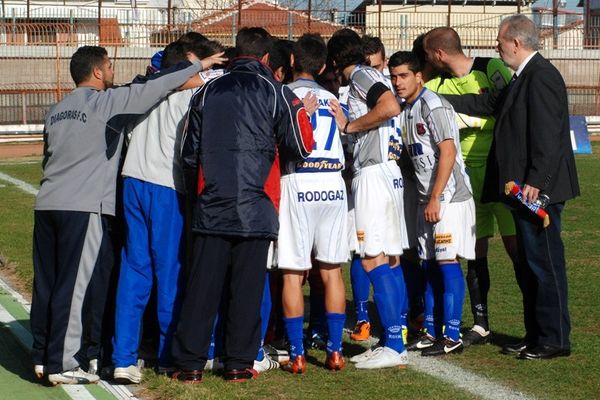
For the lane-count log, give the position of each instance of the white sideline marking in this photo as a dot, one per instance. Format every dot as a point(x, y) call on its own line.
point(24, 186)
point(76, 392)
point(16, 295)
point(26, 340)
point(16, 328)
point(463, 379)
point(453, 374)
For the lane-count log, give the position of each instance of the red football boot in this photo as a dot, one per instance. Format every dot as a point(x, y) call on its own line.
point(296, 365)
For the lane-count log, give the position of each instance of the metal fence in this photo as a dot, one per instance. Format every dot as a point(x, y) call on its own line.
point(35, 49)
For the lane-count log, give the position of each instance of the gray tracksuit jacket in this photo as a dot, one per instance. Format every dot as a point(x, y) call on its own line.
point(83, 137)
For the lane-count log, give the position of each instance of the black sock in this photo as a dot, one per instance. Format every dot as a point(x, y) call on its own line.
point(478, 282)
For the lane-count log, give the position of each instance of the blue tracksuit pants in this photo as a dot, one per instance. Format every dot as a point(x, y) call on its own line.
point(152, 254)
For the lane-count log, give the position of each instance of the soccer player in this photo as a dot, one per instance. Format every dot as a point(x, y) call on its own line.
point(446, 215)
point(376, 187)
point(410, 262)
point(462, 75)
point(313, 214)
point(374, 53)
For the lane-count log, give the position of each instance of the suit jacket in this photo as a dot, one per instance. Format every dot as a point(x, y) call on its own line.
point(532, 143)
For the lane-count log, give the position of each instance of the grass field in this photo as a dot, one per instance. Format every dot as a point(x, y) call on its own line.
point(576, 377)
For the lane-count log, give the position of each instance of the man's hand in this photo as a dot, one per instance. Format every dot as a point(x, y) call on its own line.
point(338, 114)
point(432, 211)
point(208, 62)
point(310, 103)
point(530, 193)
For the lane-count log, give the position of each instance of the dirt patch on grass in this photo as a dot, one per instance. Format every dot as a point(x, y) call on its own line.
point(21, 150)
point(8, 273)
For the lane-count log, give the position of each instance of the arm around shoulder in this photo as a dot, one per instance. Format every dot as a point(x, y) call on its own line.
point(474, 104)
point(292, 127)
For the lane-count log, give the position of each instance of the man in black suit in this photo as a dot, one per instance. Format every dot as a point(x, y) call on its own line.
point(532, 147)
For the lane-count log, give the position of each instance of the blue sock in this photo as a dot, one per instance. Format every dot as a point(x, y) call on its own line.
point(265, 313)
point(385, 293)
point(454, 296)
point(212, 345)
point(402, 298)
point(431, 281)
point(335, 327)
point(293, 328)
point(360, 289)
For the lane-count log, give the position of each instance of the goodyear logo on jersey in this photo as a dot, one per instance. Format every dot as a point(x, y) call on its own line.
point(319, 165)
point(394, 148)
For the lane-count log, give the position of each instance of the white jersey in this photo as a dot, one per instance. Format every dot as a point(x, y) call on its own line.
point(327, 154)
point(380, 144)
point(313, 209)
point(151, 154)
point(426, 122)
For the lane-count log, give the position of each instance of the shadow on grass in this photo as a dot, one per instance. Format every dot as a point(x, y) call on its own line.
point(14, 358)
point(500, 339)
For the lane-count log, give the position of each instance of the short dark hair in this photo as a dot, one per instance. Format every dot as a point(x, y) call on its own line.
point(372, 45)
point(444, 38)
point(192, 38)
point(253, 42)
point(419, 50)
point(405, 58)
point(310, 54)
point(205, 48)
point(84, 60)
point(345, 48)
point(173, 54)
point(279, 56)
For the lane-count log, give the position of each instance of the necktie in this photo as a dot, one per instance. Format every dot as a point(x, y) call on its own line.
point(512, 81)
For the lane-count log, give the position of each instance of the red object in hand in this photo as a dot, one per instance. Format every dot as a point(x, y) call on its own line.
point(513, 189)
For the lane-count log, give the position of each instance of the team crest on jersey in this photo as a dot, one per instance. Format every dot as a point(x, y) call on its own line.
point(421, 128)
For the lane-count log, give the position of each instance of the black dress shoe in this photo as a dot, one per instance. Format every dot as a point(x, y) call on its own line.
point(240, 375)
point(193, 376)
point(543, 352)
point(512, 348)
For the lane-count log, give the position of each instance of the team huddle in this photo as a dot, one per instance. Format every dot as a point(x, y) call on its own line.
point(244, 172)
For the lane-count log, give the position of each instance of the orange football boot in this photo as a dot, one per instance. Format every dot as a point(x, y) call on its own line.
point(361, 332)
point(335, 361)
point(296, 365)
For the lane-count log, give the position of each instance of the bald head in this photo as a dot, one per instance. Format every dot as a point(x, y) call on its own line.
point(443, 38)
